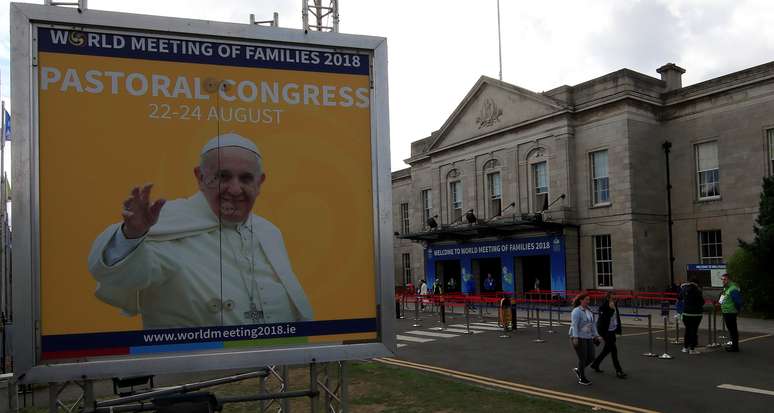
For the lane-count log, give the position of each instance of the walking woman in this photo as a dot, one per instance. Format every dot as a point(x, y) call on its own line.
point(608, 325)
point(583, 334)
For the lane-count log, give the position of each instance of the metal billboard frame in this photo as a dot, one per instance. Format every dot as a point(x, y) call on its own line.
point(26, 250)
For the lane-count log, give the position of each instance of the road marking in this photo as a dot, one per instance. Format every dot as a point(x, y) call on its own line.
point(747, 389)
point(755, 338)
point(635, 334)
point(477, 327)
point(484, 324)
point(536, 391)
point(401, 345)
point(413, 339)
point(455, 330)
point(431, 334)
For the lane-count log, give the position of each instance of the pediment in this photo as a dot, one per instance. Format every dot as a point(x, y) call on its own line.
point(492, 105)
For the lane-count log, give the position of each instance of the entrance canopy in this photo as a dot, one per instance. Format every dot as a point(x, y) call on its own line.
point(503, 227)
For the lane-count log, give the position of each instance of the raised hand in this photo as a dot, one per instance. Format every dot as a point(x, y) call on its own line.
point(139, 214)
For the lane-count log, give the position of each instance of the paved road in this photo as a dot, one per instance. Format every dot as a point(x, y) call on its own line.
point(687, 383)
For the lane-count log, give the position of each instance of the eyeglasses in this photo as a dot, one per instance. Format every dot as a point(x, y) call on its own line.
point(225, 177)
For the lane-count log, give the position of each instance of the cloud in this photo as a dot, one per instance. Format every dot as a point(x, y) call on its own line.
point(643, 36)
point(439, 48)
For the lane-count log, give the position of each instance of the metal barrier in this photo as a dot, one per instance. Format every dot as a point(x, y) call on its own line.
point(416, 312)
point(467, 319)
point(677, 339)
point(712, 327)
point(539, 339)
point(650, 352)
point(666, 355)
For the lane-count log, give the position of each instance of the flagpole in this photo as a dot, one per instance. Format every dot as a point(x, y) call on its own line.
point(499, 41)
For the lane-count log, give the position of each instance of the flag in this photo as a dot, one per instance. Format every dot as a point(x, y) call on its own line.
point(7, 123)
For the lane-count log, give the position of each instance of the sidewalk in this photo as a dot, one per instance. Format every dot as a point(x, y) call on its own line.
point(628, 317)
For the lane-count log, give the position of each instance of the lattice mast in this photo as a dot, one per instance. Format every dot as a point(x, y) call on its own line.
point(324, 15)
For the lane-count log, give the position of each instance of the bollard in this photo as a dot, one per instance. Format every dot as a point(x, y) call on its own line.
point(537, 316)
point(442, 309)
point(677, 339)
point(416, 313)
point(650, 352)
point(636, 302)
point(713, 341)
point(666, 355)
point(514, 317)
point(505, 305)
point(467, 318)
point(550, 319)
point(709, 331)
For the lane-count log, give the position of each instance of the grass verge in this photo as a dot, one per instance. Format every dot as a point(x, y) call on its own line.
point(376, 387)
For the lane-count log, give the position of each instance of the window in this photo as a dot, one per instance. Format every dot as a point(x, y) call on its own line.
point(710, 247)
point(603, 260)
point(455, 195)
point(600, 183)
point(540, 173)
point(494, 189)
point(406, 269)
point(770, 137)
point(427, 205)
point(707, 171)
point(404, 218)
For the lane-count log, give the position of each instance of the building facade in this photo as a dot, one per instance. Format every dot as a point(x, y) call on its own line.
point(567, 189)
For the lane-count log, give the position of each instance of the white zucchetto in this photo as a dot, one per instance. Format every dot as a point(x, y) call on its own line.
point(230, 140)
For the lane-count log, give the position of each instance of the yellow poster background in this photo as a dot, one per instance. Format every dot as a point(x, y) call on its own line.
point(93, 148)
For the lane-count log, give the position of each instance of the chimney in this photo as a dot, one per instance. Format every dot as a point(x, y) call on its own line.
point(672, 75)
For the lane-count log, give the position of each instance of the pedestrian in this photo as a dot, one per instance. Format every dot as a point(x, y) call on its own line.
point(423, 292)
point(608, 325)
point(692, 300)
point(451, 285)
point(583, 335)
point(489, 283)
point(730, 305)
point(437, 288)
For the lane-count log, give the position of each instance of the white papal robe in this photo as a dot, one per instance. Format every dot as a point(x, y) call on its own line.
point(187, 273)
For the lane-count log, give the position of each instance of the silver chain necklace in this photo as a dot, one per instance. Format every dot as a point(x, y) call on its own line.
point(255, 314)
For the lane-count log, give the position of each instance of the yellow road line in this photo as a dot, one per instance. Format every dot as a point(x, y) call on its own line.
point(536, 391)
point(755, 338)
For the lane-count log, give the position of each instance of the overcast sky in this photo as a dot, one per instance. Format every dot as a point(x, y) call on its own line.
point(439, 48)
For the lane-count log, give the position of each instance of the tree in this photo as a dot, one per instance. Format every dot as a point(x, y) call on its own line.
point(757, 267)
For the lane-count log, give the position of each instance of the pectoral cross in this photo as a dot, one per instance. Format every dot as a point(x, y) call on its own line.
point(254, 314)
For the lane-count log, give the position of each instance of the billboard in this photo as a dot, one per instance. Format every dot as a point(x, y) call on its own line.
point(198, 190)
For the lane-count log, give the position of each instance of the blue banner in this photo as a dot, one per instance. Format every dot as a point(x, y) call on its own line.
point(199, 51)
point(64, 342)
point(506, 250)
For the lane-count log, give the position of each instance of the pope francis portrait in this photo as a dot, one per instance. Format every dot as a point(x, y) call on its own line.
point(206, 260)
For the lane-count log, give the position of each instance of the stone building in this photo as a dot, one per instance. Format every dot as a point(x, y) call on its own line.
point(567, 188)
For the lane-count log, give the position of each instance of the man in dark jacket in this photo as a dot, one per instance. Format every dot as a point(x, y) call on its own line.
point(691, 311)
point(608, 325)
